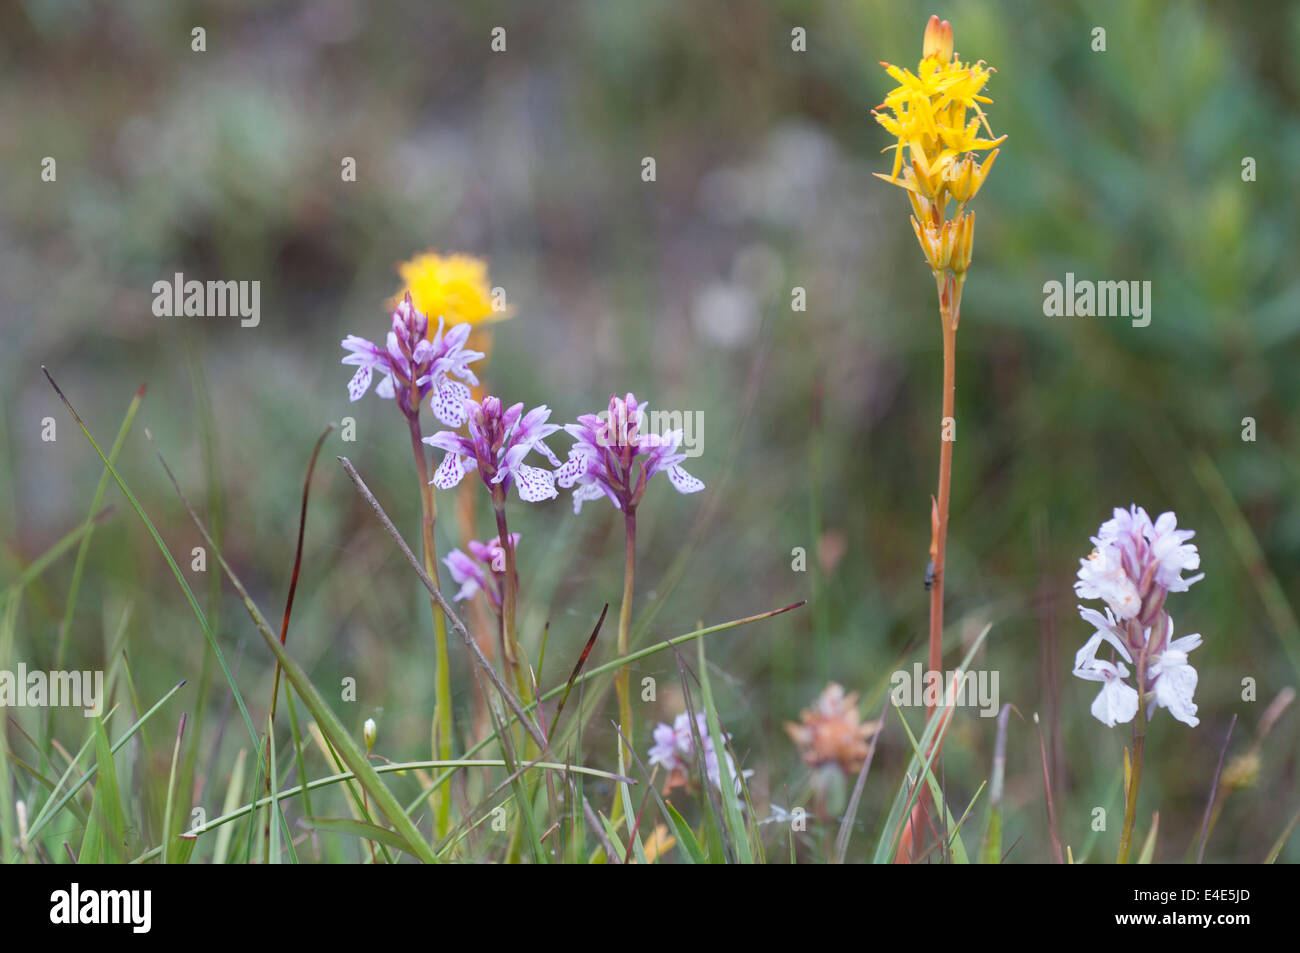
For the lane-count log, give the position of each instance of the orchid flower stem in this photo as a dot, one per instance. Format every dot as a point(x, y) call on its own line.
point(624, 626)
point(622, 677)
point(1135, 778)
point(509, 600)
point(442, 727)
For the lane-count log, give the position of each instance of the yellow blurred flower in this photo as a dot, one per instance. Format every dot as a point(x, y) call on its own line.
point(454, 287)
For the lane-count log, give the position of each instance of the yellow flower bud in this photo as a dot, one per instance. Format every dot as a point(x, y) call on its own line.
point(963, 241)
point(938, 40)
point(935, 243)
point(967, 177)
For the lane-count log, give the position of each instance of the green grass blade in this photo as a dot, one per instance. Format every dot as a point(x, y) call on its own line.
point(991, 848)
point(629, 813)
point(686, 837)
point(730, 802)
point(52, 807)
point(1276, 850)
point(176, 571)
point(108, 798)
point(8, 618)
point(329, 724)
point(169, 855)
point(955, 845)
point(1149, 845)
point(222, 849)
point(83, 550)
point(907, 794)
point(362, 829)
point(46, 559)
point(273, 845)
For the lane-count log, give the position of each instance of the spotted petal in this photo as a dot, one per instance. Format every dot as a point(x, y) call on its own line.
point(448, 402)
point(588, 491)
point(450, 472)
point(573, 468)
point(360, 383)
point(683, 482)
point(535, 484)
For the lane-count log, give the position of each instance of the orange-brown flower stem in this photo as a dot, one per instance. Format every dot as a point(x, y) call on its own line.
point(949, 315)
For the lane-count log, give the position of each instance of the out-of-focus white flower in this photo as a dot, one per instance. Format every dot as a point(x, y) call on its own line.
point(1134, 567)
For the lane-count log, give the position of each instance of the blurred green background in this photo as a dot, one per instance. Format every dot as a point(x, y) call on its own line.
point(819, 426)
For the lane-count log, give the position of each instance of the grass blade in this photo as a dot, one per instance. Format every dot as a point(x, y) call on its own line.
point(730, 802)
point(171, 562)
point(169, 849)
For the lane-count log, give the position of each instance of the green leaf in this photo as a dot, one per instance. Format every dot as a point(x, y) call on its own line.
point(955, 845)
point(108, 801)
point(685, 836)
point(730, 802)
point(1281, 841)
point(52, 807)
point(1149, 846)
point(169, 809)
point(906, 795)
point(346, 825)
point(176, 571)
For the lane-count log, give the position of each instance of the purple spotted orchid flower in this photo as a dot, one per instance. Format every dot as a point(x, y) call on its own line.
point(613, 456)
point(674, 750)
point(499, 440)
point(483, 569)
point(415, 366)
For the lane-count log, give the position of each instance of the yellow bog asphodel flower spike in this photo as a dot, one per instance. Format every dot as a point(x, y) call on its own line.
point(936, 115)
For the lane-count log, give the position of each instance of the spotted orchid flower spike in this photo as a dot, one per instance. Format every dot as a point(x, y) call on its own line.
point(1136, 562)
point(1134, 567)
point(414, 366)
point(614, 456)
point(499, 440)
